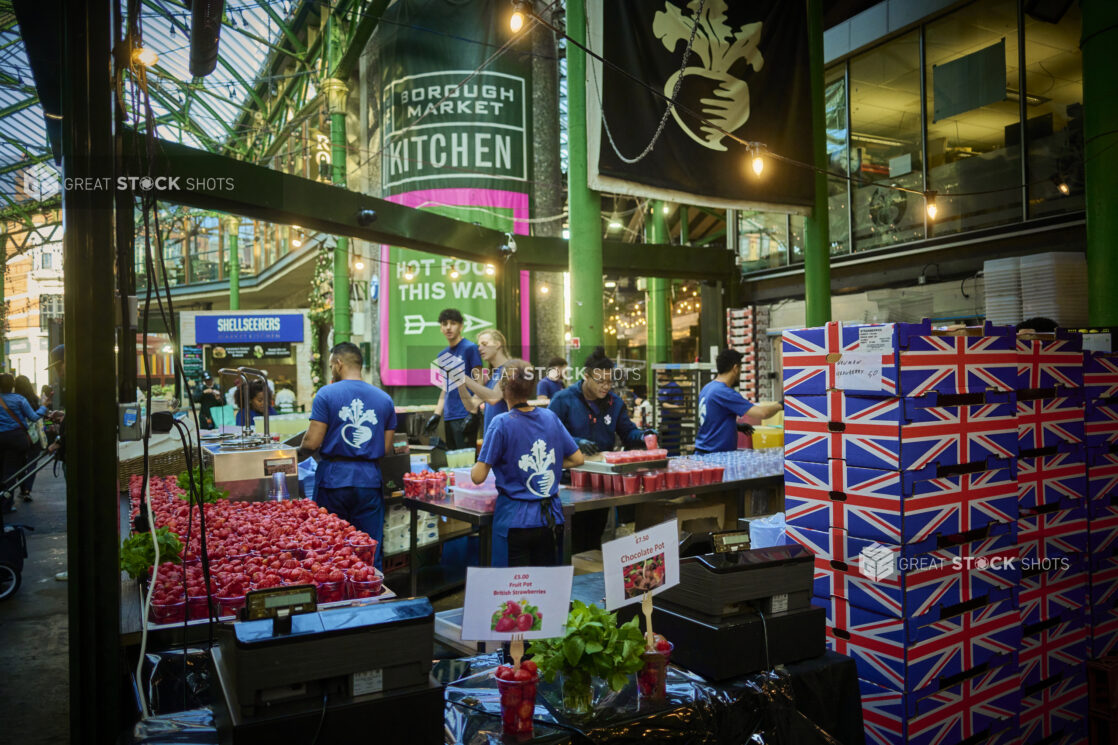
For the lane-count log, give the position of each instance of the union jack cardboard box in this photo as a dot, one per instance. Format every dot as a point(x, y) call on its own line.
point(1055, 362)
point(1104, 590)
point(1052, 533)
point(1055, 711)
point(896, 654)
point(1053, 589)
point(1104, 635)
point(1054, 647)
point(973, 710)
point(1052, 424)
point(1052, 479)
point(1102, 535)
point(1101, 427)
point(1102, 480)
point(898, 359)
point(1100, 377)
point(893, 506)
point(907, 434)
point(924, 588)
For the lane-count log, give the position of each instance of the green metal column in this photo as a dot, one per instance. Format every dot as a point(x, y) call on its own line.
point(1100, 111)
point(232, 229)
point(585, 245)
point(336, 92)
point(658, 313)
point(817, 258)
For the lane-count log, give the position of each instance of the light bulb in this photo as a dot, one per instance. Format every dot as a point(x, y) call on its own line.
point(490, 269)
point(146, 57)
point(454, 274)
point(296, 242)
point(666, 209)
point(758, 164)
point(409, 276)
point(359, 265)
point(544, 289)
point(930, 199)
point(1064, 188)
point(516, 21)
point(614, 224)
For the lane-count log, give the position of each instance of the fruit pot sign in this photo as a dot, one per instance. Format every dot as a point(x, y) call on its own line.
point(644, 562)
point(524, 601)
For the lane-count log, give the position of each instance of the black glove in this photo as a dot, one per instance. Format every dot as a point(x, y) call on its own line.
point(587, 447)
point(745, 429)
point(432, 424)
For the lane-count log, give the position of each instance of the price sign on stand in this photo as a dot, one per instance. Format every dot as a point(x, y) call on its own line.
point(528, 602)
point(643, 563)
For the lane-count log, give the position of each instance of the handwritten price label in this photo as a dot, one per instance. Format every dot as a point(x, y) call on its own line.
point(858, 372)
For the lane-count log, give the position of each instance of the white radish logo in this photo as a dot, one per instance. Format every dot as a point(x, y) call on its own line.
point(538, 464)
point(356, 433)
point(718, 46)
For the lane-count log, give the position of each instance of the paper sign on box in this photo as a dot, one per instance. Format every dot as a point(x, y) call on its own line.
point(496, 593)
point(645, 562)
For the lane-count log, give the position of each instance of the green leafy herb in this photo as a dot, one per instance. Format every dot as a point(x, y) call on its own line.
point(593, 646)
point(137, 554)
point(210, 492)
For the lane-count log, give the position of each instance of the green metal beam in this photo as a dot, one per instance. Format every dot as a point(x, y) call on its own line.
point(817, 255)
point(710, 237)
point(18, 106)
point(657, 310)
point(358, 38)
point(287, 30)
point(24, 163)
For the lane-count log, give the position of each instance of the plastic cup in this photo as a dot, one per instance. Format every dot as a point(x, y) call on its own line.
point(363, 589)
point(607, 483)
point(168, 612)
point(229, 605)
point(198, 607)
point(618, 483)
point(651, 482)
point(595, 481)
point(652, 678)
point(631, 483)
point(673, 479)
point(579, 479)
point(716, 474)
point(650, 442)
point(330, 592)
point(364, 551)
point(518, 705)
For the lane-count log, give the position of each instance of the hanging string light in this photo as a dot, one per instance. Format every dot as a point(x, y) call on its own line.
point(930, 202)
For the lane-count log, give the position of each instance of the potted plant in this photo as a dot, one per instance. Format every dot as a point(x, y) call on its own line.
point(594, 646)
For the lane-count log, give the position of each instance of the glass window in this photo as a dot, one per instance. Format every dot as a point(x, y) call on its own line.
point(838, 161)
point(1054, 106)
point(885, 145)
point(763, 240)
point(46, 260)
point(974, 132)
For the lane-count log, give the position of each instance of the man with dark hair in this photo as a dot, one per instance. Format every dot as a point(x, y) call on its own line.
point(1038, 325)
point(552, 381)
point(461, 357)
point(592, 413)
point(720, 405)
point(352, 424)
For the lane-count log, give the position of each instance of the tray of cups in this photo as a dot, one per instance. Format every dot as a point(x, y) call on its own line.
point(627, 461)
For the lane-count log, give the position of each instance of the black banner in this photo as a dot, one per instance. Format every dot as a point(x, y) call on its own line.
point(747, 73)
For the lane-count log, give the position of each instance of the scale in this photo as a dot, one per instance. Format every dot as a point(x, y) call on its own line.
point(730, 541)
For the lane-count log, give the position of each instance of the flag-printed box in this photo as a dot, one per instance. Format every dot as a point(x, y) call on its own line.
point(1055, 362)
point(1100, 377)
point(1050, 424)
point(893, 506)
point(1052, 533)
point(1102, 535)
point(898, 359)
point(1104, 635)
point(1054, 647)
point(1053, 589)
point(1101, 426)
point(1102, 480)
point(1055, 711)
point(923, 588)
point(1104, 590)
point(1052, 479)
point(896, 654)
point(908, 434)
point(974, 710)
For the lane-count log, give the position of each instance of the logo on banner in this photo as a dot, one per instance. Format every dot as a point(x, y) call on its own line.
point(358, 431)
point(725, 99)
point(448, 371)
point(538, 465)
point(877, 562)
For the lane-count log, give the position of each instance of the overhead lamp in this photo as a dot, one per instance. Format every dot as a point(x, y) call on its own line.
point(566, 234)
point(519, 15)
point(611, 284)
point(666, 209)
point(409, 275)
point(359, 265)
point(614, 223)
point(544, 289)
point(167, 349)
point(146, 57)
point(490, 269)
point(1061, 185)
point(454, 274)
point(757, 161)
point(296, 242)
point(930, 201)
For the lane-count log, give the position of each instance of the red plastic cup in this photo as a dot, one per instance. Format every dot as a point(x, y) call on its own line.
point(652, 678)
point(618, 483)
point(330, 592)
point(518, 705)
point(674, 479)
point(229, 605)
point(168, 612)
point(595, 480)
point(607, 483)
point(717, 474)
point(651, 482)
point(198, 607)
point(364, 551)
point(363, 589)
point(579, 479)
point(631, 483)
point(650, 442)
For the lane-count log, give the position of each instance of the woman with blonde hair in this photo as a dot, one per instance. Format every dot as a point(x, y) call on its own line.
point(493, 348)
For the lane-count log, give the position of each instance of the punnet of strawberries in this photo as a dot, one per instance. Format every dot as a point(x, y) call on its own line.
point(255, 545)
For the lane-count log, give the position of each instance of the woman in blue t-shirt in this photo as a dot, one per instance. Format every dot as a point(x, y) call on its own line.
point(492, 347)
point(527, 449)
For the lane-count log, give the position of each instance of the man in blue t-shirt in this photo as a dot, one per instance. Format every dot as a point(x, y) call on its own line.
point(720, 405)
point(527, 449)
point(459, 420)
point(352, 425)
point(593, 414)
point(552, 381)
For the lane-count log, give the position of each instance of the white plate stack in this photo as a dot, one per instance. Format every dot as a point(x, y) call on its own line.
point(1002, 281)
point(1054, 285)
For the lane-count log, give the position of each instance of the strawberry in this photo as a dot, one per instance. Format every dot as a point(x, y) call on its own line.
point(522, 675)
point(524, 622)
point(526, 710)
point(504, 672)
point(530, 666)
point(505, 624)
point(663, 646)
point(512, 608)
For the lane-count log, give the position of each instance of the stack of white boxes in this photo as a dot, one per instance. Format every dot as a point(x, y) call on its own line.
point(741, 336)
point(397, 529)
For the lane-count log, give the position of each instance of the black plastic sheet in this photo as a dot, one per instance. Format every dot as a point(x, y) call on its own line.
point(177, 680)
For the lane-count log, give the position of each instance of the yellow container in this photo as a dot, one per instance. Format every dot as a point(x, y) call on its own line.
point(768, 437)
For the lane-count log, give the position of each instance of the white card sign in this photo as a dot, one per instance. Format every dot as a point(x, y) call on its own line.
point(858, 372)
point(875, 339)
point(647, 561)
point(528, 601)
point(1099, 342)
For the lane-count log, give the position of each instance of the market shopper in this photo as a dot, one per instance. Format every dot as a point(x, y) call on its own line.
point(25, 388)
point(208, 397)
point(16, 416)
point(352, 425)
point(592, 413)
point(552, 381)
point(452, 409)
point(256, 403)
point(720, 405)
point(493, 349)
point(527, 449)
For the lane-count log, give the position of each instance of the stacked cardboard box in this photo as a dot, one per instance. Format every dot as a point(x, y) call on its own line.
point(1053, 533)
point(901, 447)
point(741, 335)
point(1101, 440)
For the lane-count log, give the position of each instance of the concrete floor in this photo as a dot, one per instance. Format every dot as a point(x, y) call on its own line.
point(34, 685)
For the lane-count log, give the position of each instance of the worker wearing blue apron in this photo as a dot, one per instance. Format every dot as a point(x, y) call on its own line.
point(527, 449)
point(492, 346)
